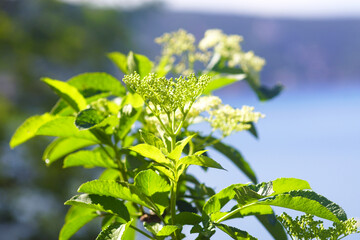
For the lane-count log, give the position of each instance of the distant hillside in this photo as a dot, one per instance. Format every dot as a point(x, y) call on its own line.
point(298, 52)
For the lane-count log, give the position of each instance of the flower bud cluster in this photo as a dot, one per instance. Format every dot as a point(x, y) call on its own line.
point(167, 95)
point(307, 228)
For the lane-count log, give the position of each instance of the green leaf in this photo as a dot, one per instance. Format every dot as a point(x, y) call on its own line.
point(89, 159)
point(120, 61)
point(75, 219)
point(160, 230)
point(139, 63)
point(280, 185)
point(88, 118)
point(309, 202)
point(176, 153)
point(151, 152)
point(115, 189)
point(28, 129)
point(219, 200)
point(200, 161)
point(151, 139)
point(220, 81)
point(187, 218)
point(149, 182)
point(68, 93)
point(109, 174)
point(115, 231)
point(60, 147)
point(235, 233)
point(95, 83)
point(65, 127)
point(236, 157)
point(134, 100)
point(253, 130)
point(101, 203)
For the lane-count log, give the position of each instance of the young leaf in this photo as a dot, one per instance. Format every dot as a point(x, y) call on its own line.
point(280, 185)
point(139, 63)
point(115, 231)
point(89, 159)
point(95, 83)
point(63, 146)
point(149, 182)
point(151, 152)
point(28, 129)
point(101, 203)
point(88, 118)
point(75, 219)
point(115, 189)
point(200, 161)
point(65, 127)
point(120, 61)
point(68, 93)
point(176, 153)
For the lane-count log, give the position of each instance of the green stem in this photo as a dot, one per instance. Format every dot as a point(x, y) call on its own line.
point(120, 164)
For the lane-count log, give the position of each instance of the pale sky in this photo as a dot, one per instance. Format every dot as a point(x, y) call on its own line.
point(266, 8)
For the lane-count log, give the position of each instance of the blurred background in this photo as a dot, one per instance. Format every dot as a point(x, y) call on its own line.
point(311, 131)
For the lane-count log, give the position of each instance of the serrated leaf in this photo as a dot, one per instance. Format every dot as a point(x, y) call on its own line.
point(149, 182)
point(200, 161)
point(64, 127)
point(60, 147)
point(102, 203)
point(280, 185)
point(28, 129)
point(176, 153)
point(151, 152)
point(187, 218)
point(89, 159)
point(115, 231)
point(115, 189)
point(159, 229)
point(75, 219)
point(90, 84)
point(308, 202)
point(68, 93)
point(88, 118)
point(120, 61)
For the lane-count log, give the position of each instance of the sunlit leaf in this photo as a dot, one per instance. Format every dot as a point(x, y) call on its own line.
point(68, 93)
point(151, 152)
point(29, 128)
point(89, 159)
point(120, 61)
point(149, 182)
point(115, 231)
point(200, 161)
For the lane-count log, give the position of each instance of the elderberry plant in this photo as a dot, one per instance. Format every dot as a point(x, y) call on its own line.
point(140, 135)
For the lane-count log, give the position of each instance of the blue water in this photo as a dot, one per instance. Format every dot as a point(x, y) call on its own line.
point(310, 134)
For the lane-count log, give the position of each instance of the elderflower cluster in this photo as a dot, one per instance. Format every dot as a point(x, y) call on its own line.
point(179, 52)
point(228, 119)
point(167, 95)
point(225, 45)
point(307, 228)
